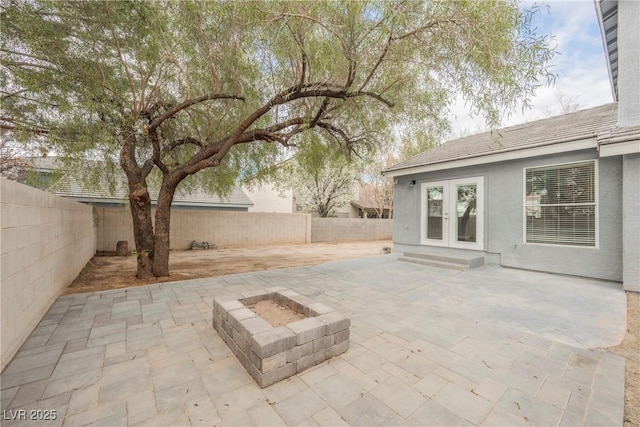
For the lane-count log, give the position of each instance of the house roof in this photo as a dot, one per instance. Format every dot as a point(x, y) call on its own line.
point(619, 135)
point(366, 198)
point(68, 186)
point(552, 132)
point(607, 11)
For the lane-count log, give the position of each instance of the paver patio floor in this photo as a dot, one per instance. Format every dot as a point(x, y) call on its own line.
point(429, 346)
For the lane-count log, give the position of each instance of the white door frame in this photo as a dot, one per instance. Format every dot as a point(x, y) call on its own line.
point(444, 214)
point(450, 223)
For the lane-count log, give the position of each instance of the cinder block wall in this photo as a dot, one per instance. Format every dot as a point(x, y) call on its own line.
point(45, 242)
point(219, 227)
point(237, 228)
point(350, 229)
point(242, 228)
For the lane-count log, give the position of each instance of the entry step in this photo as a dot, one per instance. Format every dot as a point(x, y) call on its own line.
point(443, 261)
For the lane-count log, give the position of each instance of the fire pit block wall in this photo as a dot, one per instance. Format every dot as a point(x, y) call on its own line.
point(272, 354)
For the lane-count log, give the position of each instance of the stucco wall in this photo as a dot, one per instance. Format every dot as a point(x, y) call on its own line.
point(628, 63)
point(631, 222)
point(46, 241)
point(349, 229)
point(504, 241)
point(219, 227)
point(267, 199)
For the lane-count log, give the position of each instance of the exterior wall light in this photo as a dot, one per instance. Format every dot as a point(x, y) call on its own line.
point(412, 183)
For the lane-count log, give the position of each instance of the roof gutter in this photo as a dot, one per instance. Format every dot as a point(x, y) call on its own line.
point(154, 203)
point(567, 145)
point(598, 6)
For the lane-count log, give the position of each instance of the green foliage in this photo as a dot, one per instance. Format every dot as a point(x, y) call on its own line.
point(322, 175)
point(89, 78)
point(91, 74)
point(168, 89)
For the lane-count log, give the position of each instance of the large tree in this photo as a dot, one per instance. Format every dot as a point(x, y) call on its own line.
point(171, 89)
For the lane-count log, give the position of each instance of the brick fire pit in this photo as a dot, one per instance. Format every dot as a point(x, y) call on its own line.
point(271, 354)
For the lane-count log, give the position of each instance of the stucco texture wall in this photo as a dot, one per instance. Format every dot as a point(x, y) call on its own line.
point(45, 242)
point(504, 217)
point(267, 199)
point(631, 222)
point(628, 63)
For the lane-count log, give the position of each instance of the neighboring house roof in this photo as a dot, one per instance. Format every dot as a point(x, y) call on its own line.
point(68, 186)
point(366, 198)
point(607, 11)
point(556, 134)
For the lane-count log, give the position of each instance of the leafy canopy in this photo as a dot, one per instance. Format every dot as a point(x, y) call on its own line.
point(189, 85)
point(322, 176)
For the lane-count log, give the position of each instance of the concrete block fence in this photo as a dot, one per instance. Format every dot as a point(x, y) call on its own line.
point(45, 241)
point(350, 229)
point(242, 228)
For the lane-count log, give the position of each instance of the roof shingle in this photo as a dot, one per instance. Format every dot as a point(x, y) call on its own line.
point(575, 126)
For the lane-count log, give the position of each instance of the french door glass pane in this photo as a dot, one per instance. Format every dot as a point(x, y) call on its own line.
point(466, 212)
point(434, 212)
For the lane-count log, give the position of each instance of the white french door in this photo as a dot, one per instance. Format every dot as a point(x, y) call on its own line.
point(452, 213)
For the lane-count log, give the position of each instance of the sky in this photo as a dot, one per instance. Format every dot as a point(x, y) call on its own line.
point(580, 65)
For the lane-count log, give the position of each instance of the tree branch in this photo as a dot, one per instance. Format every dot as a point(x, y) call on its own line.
point(177, 143)
point(155, 142)
point(8, 123)
point(423, 28)
point(321, 111)
point(378, 62)
point(120, 57)
point(186, 104)
point(305, 63)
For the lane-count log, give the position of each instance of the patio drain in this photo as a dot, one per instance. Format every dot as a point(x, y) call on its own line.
point(271, 354)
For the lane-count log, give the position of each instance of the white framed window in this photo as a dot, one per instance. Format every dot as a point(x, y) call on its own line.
point(560, 204)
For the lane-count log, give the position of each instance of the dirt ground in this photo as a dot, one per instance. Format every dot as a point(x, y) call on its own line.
point(630, 350)
point(276, 314)
point(110, 272)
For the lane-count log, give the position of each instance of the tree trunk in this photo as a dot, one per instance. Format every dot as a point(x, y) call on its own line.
point(163, 227)
point(140, 203)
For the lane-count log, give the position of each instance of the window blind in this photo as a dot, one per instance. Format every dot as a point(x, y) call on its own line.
point(560, 204)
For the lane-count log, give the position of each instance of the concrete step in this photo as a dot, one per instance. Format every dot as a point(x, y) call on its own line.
point(433, 263)
point(471, 260)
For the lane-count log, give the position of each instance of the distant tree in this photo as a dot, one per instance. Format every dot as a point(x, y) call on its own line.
point(378, 189)
point(182, 93)
point(322, 175)
point(566, 104)
point(12, 165)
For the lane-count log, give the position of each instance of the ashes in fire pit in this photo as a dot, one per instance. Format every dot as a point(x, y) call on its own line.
point(290, 335)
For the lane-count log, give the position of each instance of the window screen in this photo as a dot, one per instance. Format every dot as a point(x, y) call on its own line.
point(560, 204)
